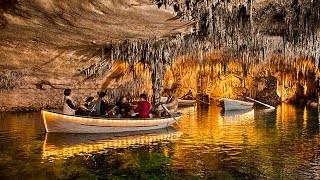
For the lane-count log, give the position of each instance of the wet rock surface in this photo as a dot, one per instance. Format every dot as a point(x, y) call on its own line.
point(269, 94)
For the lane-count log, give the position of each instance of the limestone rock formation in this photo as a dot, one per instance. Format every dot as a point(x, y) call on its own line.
point(62, 43)
point(94, 45)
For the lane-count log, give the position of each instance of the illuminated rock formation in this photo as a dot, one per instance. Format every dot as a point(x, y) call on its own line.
point(97, 45)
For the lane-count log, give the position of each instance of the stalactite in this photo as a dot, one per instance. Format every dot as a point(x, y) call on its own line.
point(237, 32)
point(241, 27)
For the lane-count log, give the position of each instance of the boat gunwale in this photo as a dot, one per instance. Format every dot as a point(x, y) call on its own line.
point(244, 103)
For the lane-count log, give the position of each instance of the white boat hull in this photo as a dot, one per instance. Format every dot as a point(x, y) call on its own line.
point(57, 122)
point(231, 104)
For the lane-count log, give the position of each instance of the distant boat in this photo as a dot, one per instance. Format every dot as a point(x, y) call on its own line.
point(55, 121)
point(181, 102)
point(232, 104)
point(59, 146)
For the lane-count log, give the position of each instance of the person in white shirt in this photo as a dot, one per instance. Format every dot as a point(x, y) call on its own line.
point(68, 106)
point(172, 101)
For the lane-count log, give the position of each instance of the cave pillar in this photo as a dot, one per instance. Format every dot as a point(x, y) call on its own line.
point(157, 72)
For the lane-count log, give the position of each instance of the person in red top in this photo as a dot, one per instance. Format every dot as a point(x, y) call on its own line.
point(143, 107)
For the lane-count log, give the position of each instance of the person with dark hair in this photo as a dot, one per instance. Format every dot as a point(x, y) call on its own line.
point(100, 107)
point(122, 107)
point(68, 106)
point(105, 108)
point(84, 108)
point(143, 107)
point(88, 102)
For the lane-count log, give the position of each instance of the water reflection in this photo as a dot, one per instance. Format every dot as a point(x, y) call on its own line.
point(257, 144)
point(58, 145)
point(236, 117)
point(248, 144)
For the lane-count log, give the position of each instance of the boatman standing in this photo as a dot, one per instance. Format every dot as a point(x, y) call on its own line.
point(171, 104)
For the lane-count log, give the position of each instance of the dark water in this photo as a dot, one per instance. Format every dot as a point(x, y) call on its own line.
point(207, 144)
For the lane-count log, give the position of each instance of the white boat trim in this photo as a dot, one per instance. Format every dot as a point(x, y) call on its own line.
point(58, 122)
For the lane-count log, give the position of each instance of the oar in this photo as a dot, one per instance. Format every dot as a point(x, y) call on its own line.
point(267, 105)
point(92, 109)
point(165, 108)
point(202, 101)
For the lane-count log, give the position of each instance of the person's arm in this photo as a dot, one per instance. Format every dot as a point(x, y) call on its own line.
point(173, 102)
point(184, 96)
point(70, 104)
point(128, 108)
point(138, 108)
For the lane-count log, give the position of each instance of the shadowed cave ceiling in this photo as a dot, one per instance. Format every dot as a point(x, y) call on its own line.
point(53, 44)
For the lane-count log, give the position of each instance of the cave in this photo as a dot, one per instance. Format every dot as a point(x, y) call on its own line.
point(202, 51)
point(145, 46)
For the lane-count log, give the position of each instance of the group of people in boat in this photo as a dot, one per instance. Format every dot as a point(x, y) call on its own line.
point(99, 106)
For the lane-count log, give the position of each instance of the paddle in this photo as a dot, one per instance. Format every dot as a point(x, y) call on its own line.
point(165, 108)
point(92, 109)
point(267, 105)
point(203, 101)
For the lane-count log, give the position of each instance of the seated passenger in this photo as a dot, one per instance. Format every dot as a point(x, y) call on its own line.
point(88, 102)
point(84, 109)
point(105, 108)
point(100, 107)
point(122, 107)
point(68, 106)
point(143, 107)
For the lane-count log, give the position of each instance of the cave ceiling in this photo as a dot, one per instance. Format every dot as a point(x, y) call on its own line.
point(60, 37)
point(66, 37)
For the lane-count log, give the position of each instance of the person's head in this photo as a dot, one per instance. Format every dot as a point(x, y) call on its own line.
point(170, 92)
point(89, 99)
point(166, 92)
point(123, 99)
point(143, 96)
point(67, 92)
point(102, 94)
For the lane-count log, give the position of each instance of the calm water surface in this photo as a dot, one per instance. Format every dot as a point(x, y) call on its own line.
point(207, 144)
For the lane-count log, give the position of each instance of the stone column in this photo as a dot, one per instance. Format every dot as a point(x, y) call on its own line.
point(158, 70)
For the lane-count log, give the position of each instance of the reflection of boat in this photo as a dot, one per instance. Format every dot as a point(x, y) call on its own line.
point(57, 122)
point(181, 102)
point(236, 117)
point(57, 145)
point(231, 104)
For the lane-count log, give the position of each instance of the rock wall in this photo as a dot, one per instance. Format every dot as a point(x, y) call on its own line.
point(231, 47)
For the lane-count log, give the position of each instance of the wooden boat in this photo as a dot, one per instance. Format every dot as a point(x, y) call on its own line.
point(231, 104)
point(55, 121)
point(60, 146)
point(181, 102)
